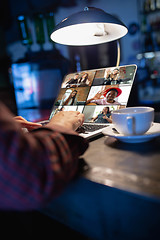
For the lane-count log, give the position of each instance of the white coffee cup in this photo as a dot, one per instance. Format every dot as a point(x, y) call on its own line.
point(133, 120)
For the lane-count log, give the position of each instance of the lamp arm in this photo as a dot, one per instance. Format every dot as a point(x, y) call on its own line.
point(118, 53)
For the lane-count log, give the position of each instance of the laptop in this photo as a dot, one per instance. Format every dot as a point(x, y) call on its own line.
point(85, 92)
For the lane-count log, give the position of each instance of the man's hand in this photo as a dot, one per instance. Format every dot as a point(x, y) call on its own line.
point(68, 119)
point(26, 124)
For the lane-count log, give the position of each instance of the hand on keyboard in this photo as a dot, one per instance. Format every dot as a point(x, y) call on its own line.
point(80, 129)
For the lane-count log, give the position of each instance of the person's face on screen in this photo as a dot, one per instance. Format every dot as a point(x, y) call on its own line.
point(115, 73)
point(105, 110)
point(111, 96)
point(76, 76)
point(73, 93)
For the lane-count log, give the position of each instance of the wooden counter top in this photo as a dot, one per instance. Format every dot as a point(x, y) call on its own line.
point(127, 166)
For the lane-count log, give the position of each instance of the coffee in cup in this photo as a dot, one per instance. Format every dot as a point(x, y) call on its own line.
point(133, 120)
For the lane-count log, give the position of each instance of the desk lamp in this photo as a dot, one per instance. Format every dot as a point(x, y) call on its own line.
point(89, 27)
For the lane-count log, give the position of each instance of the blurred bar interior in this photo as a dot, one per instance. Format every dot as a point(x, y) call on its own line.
point(33, 67)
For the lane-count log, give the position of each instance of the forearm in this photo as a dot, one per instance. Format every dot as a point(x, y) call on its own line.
point(109, 120)
point(94, 118)
point(89, 100)
point(63, 150)
point(35, 166)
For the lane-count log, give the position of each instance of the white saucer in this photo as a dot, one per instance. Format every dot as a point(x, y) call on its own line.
point(153, 132)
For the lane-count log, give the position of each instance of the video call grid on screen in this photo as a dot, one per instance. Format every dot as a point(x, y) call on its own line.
point(78, 88)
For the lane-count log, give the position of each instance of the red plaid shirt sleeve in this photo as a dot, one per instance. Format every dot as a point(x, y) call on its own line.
point(35, 167)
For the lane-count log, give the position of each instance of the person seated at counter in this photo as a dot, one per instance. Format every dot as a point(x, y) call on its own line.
point(109, 96)
point(36, 166)
point(103, 117)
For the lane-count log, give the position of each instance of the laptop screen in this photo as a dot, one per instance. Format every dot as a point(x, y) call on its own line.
point(91, 91)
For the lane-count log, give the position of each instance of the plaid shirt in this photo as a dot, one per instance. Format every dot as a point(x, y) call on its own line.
point(35, 167)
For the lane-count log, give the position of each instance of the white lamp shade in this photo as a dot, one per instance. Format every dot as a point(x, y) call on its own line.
point(88, 27)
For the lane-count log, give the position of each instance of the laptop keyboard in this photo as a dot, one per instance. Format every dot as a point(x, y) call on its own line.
point(84, 128)
point(90, 128)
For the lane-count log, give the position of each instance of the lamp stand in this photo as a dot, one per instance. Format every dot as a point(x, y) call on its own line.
point(118, 53)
